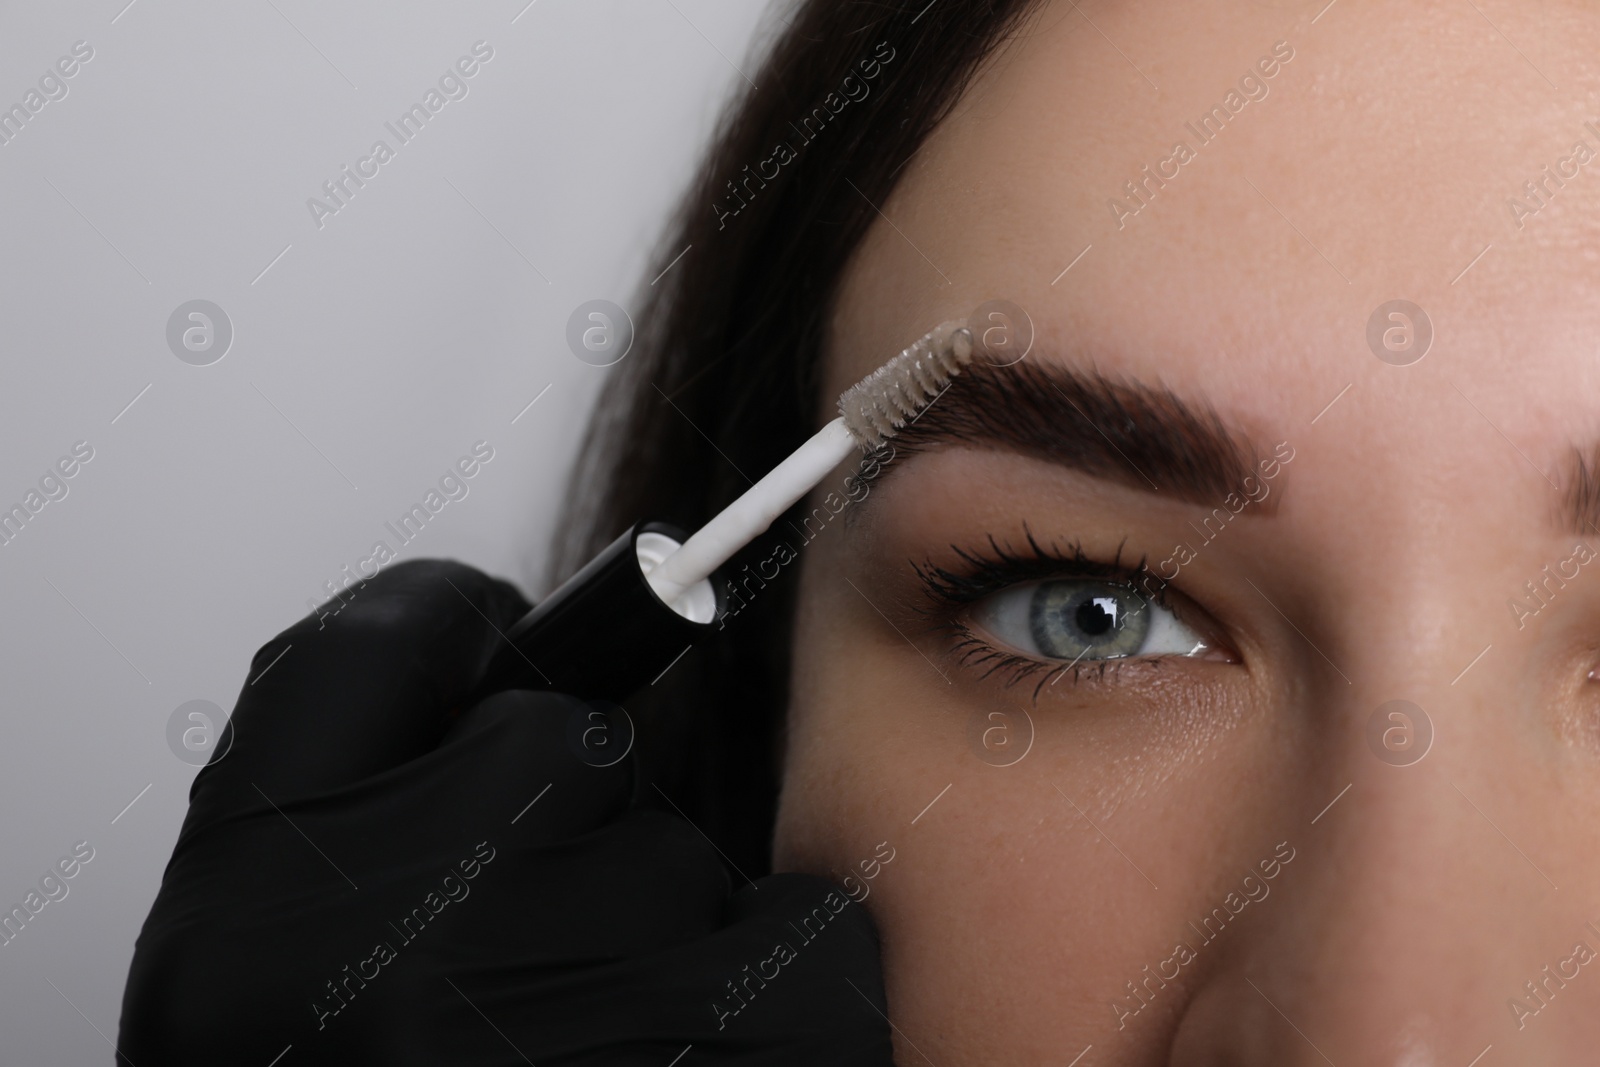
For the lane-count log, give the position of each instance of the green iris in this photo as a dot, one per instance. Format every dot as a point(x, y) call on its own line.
point(1087, 620)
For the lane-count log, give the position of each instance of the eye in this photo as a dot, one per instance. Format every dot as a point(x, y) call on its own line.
point(1080, 619)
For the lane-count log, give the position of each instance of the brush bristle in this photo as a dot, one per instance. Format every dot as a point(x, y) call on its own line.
point(876, 407)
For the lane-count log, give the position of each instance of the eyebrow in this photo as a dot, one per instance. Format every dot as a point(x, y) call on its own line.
point(1115, 429)
point(1580, 506)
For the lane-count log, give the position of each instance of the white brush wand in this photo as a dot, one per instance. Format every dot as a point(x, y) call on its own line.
point(626, 617)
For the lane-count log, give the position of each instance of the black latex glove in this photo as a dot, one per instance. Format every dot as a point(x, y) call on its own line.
point(361, 879)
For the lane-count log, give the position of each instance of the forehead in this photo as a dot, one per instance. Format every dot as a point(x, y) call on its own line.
point(1220, 197)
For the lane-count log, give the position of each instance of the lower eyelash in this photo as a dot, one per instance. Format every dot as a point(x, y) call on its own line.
point(971, 650)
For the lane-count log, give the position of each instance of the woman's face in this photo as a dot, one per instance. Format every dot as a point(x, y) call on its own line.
point(1234, 856)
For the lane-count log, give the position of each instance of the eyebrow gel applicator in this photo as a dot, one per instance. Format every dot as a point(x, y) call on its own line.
point(655, 594)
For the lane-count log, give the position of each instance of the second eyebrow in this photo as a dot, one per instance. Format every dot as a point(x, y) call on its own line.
point(1121, 431)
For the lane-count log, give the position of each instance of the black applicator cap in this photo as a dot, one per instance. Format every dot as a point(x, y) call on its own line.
point(604, 634)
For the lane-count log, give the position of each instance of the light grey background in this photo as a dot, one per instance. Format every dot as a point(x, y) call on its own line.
point(368, 356)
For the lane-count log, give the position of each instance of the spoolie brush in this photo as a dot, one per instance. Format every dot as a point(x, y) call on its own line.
point(876, 407)
point(870, 412)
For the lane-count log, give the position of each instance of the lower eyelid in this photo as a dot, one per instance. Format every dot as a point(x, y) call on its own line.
point(975, 654)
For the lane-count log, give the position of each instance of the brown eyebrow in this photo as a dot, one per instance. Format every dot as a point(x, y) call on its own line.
point(1580, 506)
point(1118, 430)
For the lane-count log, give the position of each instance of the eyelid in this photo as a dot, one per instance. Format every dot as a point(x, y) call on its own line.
point(981, 572)
point(1012, 608)
point(952, 590)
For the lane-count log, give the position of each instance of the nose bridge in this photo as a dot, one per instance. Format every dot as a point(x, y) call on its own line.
point(1419, 923)
point(1429, 730)
point(1412, 865)
point(1423, 906)
point(1417, 915)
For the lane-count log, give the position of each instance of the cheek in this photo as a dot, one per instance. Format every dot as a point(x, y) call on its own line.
point(988, 887)
point(1001, 878)
point(837, 695)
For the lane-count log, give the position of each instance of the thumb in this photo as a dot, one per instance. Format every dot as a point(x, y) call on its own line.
point(513, 769)
point(334, 700)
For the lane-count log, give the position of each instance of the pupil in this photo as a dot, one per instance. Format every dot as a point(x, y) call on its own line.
point(1093, 619)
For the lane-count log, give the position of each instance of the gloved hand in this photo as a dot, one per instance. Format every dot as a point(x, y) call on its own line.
point(361, 879)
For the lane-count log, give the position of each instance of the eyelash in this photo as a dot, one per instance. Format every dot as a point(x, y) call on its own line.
point(986, 571)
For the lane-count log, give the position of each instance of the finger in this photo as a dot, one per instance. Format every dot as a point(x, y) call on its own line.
point(508, 786)
point(400, 856)
point(796, 979)
point(509, 774)
point(334, 700)
point(527, 914)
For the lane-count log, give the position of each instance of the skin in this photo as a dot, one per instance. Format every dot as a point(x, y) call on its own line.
point(1018, 906)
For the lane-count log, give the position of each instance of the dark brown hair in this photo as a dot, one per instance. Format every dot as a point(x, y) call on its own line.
point(723, 380)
